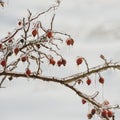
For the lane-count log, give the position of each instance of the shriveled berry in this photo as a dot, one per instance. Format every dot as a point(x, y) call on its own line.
point(19, 23)
point(38, 46)
point(93, 111)
point(22, 40)
point(89, 116)
point(10, 40)
point(10, 78)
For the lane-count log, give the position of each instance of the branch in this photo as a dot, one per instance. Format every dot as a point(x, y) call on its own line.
point(27, 23)
point(93, 70)
point(56, 80)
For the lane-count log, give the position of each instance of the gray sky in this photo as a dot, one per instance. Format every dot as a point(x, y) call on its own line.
point(94, 24)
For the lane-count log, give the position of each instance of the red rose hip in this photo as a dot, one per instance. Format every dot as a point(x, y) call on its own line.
point(28, 72)
point(49, 34)
point(88, 81)
point(16, 50)
point(83, 101)
point(52, 61)
point(79, 60)
point(3, 63)
point(101, 80)
point(34, 32)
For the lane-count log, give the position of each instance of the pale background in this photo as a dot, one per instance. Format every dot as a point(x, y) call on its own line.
point(95, 26)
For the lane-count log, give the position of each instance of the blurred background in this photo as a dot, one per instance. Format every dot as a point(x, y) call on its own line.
point(95, 27)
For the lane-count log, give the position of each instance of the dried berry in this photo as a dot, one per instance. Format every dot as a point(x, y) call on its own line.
point(93, 111)
point(89, 116)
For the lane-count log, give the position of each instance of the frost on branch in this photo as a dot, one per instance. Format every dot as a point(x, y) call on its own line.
point(31, 43)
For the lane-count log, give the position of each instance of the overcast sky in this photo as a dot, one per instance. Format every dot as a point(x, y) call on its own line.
point(95, 26)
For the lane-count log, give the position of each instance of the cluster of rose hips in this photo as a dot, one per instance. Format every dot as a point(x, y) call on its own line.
point(60, 62)
point(89, 81)
point(49, 33)
point(104, 113)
